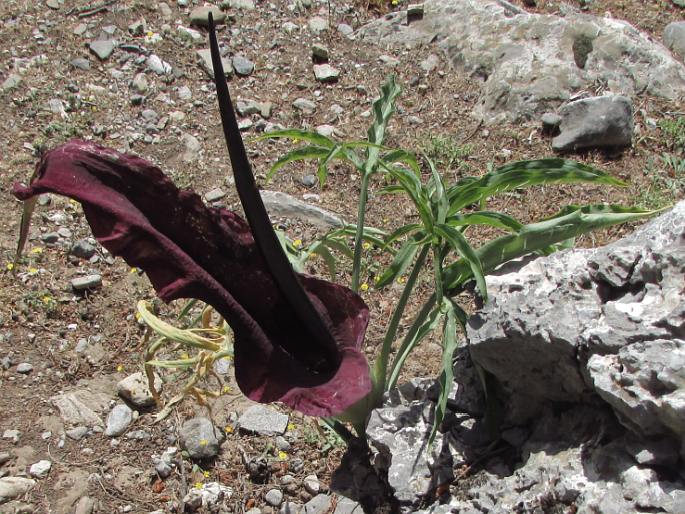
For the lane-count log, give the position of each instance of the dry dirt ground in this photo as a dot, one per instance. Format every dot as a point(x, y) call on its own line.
point(42, 319)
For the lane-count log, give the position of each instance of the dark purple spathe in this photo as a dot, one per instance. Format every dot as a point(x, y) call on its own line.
point(191, 251)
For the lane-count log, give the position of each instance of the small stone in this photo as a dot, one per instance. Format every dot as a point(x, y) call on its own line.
point(282, 443)
point(150, 115)
point(200, 15)
point(12, 81)
point(24, 368)
point(52, 4)
point(200, 438)
point(244, 5)
point(158, 66)
point(184, 93)
point(326, 73)
point(137, 28)
point(134, 389)
point(312, 485)
point(192, 148)
point(87, 282)
point(14, 487)
point(414, 12)
point(242, 65)
point(140, 84)
point(550, 122)
point(64, 232)
point(80, 29)
point(317, 24)
point(205, 59)
point(214, 195)
point(50, 237)
point(40, 469)
point(118, 420)
point(296, 465)
point(5, 457)
point(12, 435)
point(429, 63)
point(85, 505)
point(345, 29)
point(289, 27)
point(674, 38)
point(77, 433)
point(274, 497)
point(81, 63)
point(82, 249)
point(263, 420)
point(389, 60)
point(309, 180)
point(102, 49)
point(319, 52)
point(320, 504)
point(304, 105)
point(137, 99)
point(165, 10)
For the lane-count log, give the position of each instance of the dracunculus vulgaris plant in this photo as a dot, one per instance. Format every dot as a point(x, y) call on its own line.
point(297, 339)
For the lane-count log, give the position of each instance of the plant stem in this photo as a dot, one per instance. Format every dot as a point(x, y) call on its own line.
point(357, 257)
point(437, 269)
point(382, 362)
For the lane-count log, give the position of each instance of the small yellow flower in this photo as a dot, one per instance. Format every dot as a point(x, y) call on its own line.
point(205, 474)
point(401, 280)
point(9, 266)
point(395, 2)
point(228, 429)
point(364, 287)
point(204, 442)
point(291, 426)
point(36, 250)
point(71, 200)
point(93, 108)
point(297, 243)
point(47, 299)
point(33, 271)
point(133, 270)
point(198, 485)
point(366, 245)
point(184, 355)
point(149, 33)
point(226, 389)
point(137, 316)
point(282, 455)
point(120, 368)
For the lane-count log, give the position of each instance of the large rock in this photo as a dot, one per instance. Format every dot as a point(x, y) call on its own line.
point(529, 63)
point(607, 321)
point(280, 204)
point(599, 122)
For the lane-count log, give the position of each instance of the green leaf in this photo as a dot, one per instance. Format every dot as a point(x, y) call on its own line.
point(401, 232)
point(309, 136)
point(537, 236)
point(299, 154)
point(399, 156)
point(328, 258)
point(457, 241)
point(524, 174)
point(425, 322)
point(403, 258)
point(449, 346)
point(490, 218)
point(411, 184)
point(438, 197)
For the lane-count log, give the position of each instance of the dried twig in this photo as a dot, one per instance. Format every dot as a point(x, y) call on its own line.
point(90, 10)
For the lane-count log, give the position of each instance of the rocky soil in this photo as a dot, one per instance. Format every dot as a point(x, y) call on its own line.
point(132, 74)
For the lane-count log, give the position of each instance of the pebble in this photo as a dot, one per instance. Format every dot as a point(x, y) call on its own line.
point(140, 84)
point(80, 29)
point(289, 27)
point(245, 5)
point(158, 66)
point(64, 232)
point(309, 180)
point(242, 65)
point(77, 433)
point(550, 122)
point(12, 81)
point(296, 464)
point(263, 420)
point(184, 93)
point(40, 469)
point(134, 389)
point(52, 4)
point(24, 368)
point(85, 505)
point(282, 443)
point(214, 195)
point(82, 249)
point(50, 237)
point(200, 15)
point(102, 49)
point(274, 497)
point(118, 420)
point(304, 105)
point(191, 148)
point(345, 29)
point(320, 504)
point(320, 52)
point(200, 438)
point(317, 24)
point(326, 73)
point(291, 508)
point(311, 484)
point(205, 59)
point(81, 63)
point(87, 282)
point(12, 435)
point(14, 487)
point(5, 457)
